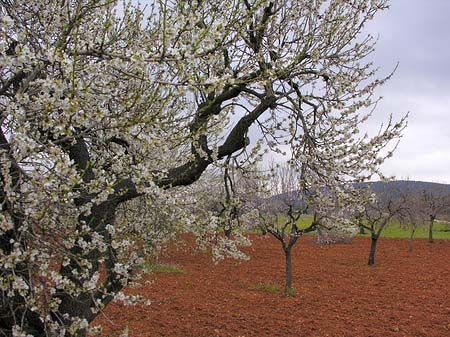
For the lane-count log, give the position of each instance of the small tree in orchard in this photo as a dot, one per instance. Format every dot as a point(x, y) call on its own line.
point(412, 215)
point(291, 191)
point(104, 102)
point(434, 203)
point(278, 213)
point(379, 211)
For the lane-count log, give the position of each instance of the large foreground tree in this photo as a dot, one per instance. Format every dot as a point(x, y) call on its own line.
point(102, 103)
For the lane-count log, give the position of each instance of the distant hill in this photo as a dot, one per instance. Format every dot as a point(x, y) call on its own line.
point(379, 187)
point(394, 187)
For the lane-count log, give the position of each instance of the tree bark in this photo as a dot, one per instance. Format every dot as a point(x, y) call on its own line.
point(14, 309)
point(361, 230)
point(288, 289)
point(373, 248)
point(411, 239)
point(80, 306)
point(430, 229)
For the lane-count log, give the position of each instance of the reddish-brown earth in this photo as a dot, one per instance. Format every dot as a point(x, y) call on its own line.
point(405, 294)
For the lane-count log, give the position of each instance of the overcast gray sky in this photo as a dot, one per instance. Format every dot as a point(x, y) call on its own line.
point(416, 33)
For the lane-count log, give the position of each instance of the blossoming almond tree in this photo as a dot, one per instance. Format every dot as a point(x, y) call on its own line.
point(103, 102)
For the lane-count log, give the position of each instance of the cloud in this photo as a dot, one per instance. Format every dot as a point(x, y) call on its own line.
point(415, 33)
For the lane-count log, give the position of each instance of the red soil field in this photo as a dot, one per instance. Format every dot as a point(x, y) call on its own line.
point(337, 294)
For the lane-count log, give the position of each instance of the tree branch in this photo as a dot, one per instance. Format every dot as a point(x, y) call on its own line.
point(191, 171)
